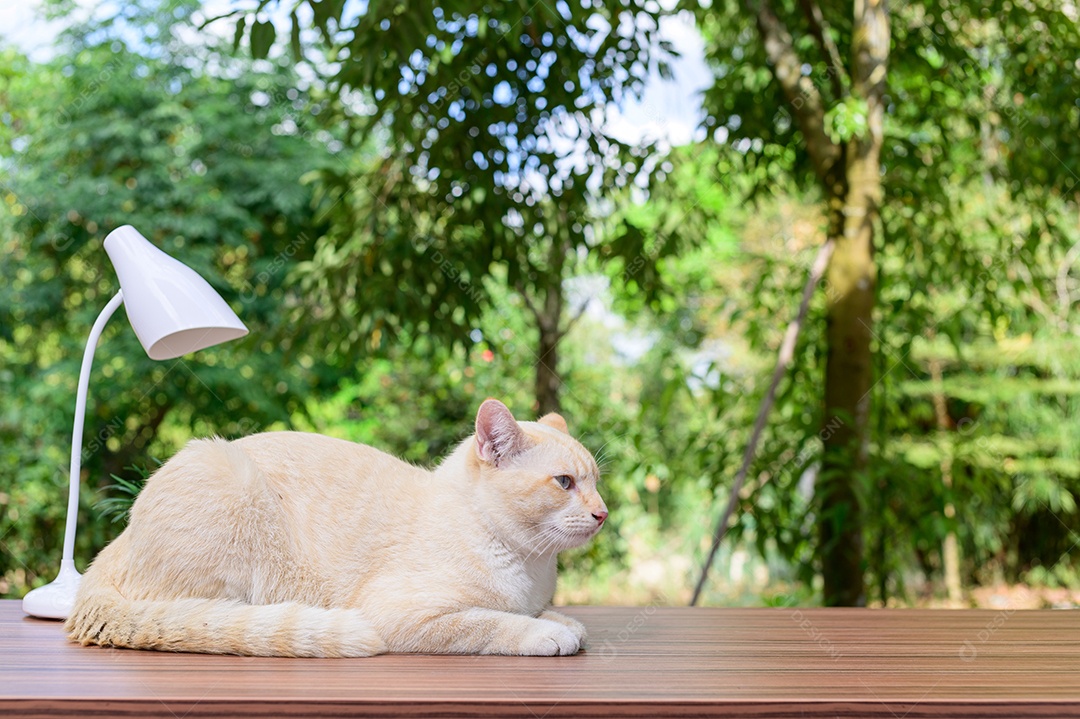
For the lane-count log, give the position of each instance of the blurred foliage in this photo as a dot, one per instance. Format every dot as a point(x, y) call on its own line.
point(977, 236)
point(498, 168)
point(1010, 387)
point(485, 104)
point(301, 201)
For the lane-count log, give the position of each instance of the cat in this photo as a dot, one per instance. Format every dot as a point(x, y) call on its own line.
point(301, 545)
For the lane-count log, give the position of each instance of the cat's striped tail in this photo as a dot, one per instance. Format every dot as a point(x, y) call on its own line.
point(216, 626)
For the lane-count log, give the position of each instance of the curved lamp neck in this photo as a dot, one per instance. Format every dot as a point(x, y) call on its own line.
point(80, 417)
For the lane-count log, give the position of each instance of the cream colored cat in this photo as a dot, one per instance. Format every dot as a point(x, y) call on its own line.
point(292, 544)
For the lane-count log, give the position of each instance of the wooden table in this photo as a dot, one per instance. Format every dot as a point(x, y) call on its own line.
point(644, 661)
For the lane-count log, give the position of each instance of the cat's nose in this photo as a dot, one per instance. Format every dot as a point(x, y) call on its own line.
point(600, 516)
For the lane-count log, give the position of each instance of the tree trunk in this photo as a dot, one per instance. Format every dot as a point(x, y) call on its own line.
point(547, 359)
point(950, 550)
point(549, 325)
point(847, 414)
point(850, 176)
point(850, 302)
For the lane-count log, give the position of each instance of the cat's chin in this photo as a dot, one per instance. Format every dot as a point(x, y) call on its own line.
point(567, 540)
point(577, 539)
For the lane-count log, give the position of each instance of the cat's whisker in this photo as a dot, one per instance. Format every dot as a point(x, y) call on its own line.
point(545, 540)
point(532, 536)
point(542, 549)
point(558, 536)
point(600, 451)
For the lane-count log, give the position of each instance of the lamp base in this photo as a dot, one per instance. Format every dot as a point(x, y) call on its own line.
point(56, 599)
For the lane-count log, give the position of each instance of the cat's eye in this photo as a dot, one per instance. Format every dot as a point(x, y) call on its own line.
point(565, 481)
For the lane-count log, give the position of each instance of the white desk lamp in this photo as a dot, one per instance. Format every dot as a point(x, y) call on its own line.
point(173, 311)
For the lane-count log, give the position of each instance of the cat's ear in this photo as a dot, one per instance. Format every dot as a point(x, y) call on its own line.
point(498, 436)
point(555, 421)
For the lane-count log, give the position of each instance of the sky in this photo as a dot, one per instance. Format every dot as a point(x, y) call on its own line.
point(23, 27)
point(670, 109)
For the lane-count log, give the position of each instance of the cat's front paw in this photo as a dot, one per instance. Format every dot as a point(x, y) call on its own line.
point(569, 622)
point(546, 638)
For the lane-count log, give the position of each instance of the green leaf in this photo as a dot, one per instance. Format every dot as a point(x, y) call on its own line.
point(846, 120)
point(294, 39)
point(262, 38)
point(238, 35)
point(322, 12)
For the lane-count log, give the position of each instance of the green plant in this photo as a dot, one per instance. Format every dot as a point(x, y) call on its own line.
point(121, 494)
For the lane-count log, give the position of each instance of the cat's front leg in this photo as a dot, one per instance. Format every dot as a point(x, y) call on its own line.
point(487, 631)
point(569, 622)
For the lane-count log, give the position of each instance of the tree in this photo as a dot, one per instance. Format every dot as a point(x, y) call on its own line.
point(487, 152)
point(845, 164)
point(892, 139)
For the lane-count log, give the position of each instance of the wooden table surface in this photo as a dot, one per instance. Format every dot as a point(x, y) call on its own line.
point(643, 661)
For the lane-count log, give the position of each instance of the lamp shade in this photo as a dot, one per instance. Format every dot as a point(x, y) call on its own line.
point(172, 309)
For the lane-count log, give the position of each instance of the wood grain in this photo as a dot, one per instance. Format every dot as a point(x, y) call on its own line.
point(647, 662)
